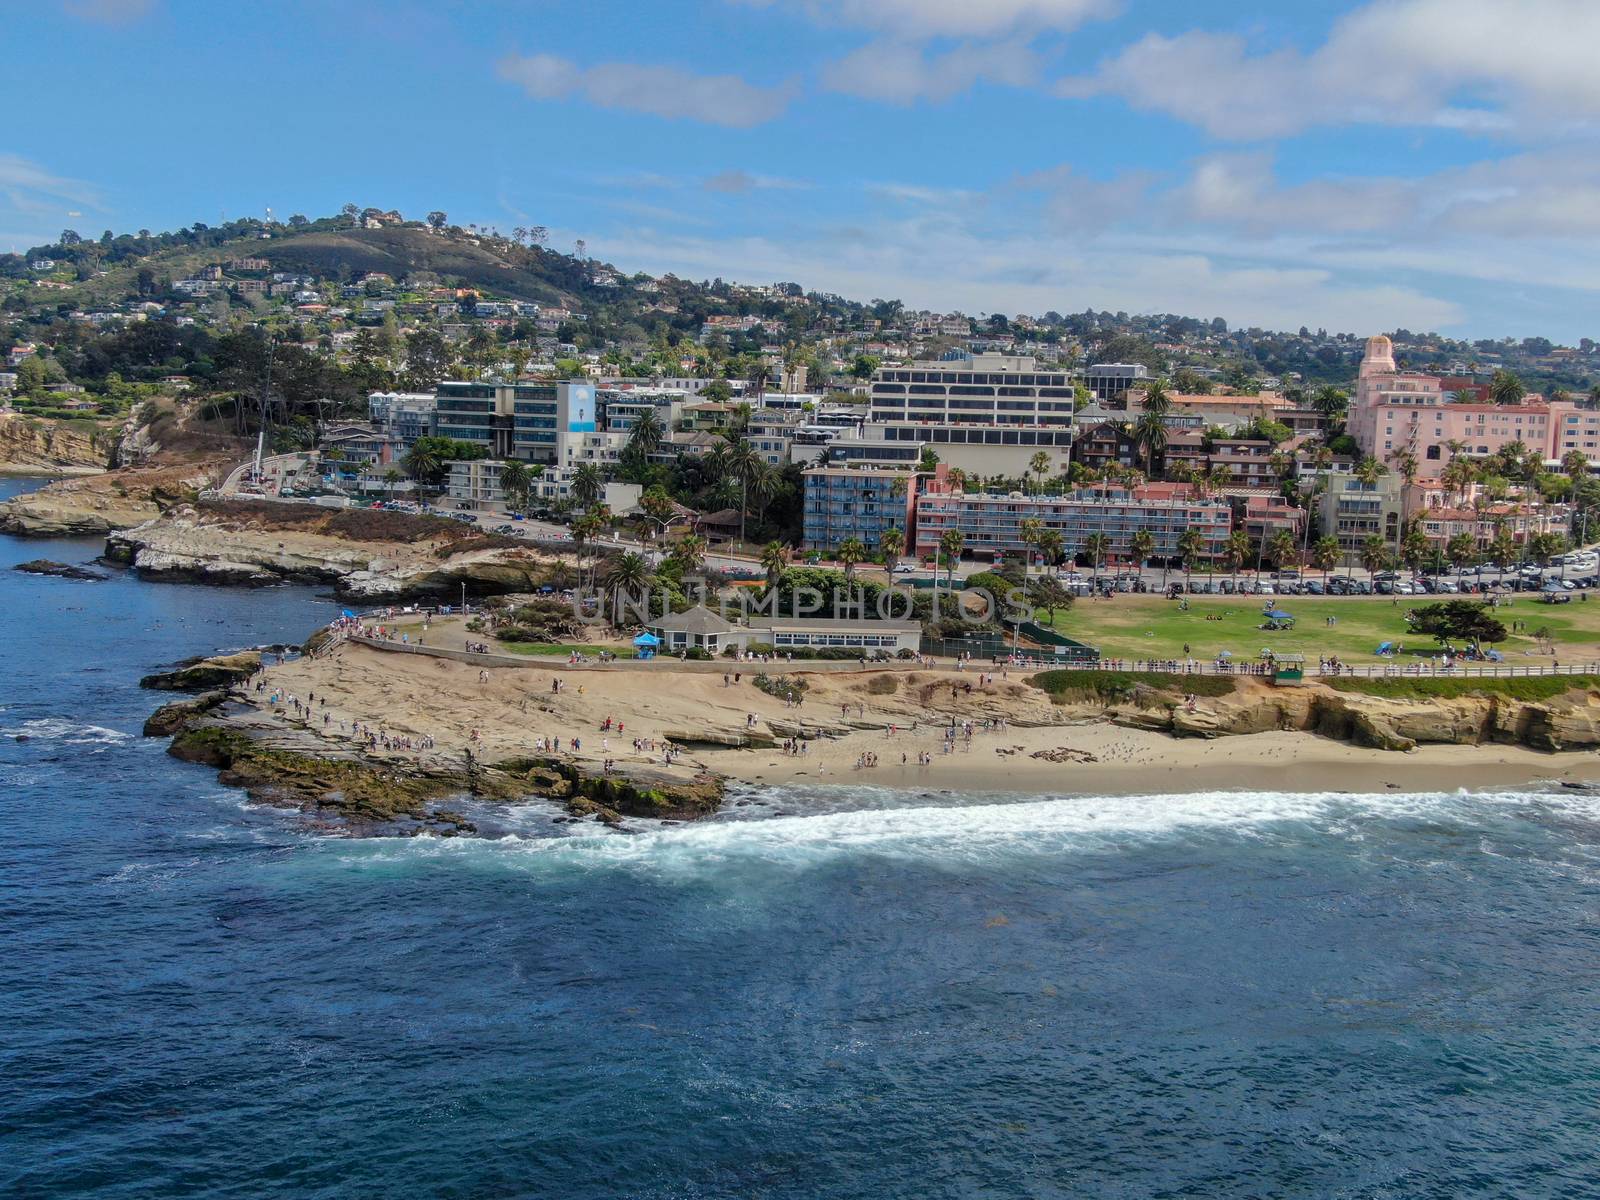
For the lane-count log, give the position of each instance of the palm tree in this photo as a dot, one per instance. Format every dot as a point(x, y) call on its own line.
point(423, 463)
point(1029, 530)
point(1458, 475)
point(850, 552)
point(658, 509)
point(1051, 546)
point(1405, 462)
point(1414, 548)
point(745, 463)
point(1039, 465)
point(586, 529)
point(1141, 545)
point(1096, 546)
point(1325, 555)
point(1575, 464)
point(628, 576)
point(892, 541)
point(1502, 547)
point(1506, 388)
point(514, 482)
point(1235, 552)
point(690, 552)
point(646, 435)
point(1190, 543)
point(587, 485)
point(1151, 431)
point(1369, 470)
point(1375, 553)
point(390, 478)
point(950, 543)
point(1282, 550)
point(1462, 550)
point(1331, 403)
point(775, 557)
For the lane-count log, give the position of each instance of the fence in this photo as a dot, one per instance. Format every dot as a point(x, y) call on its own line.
point(1265, 668)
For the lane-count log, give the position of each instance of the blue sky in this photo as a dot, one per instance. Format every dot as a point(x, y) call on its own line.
point(1357, 166)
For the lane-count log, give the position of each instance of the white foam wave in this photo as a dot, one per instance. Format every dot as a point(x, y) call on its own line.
point(976, 832)
point(70, 733)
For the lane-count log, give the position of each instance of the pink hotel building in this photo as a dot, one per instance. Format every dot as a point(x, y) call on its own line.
point(1395, 411)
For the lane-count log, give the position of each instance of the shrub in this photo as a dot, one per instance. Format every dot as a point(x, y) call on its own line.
point(883, 685)
point(784, 687)
point(1114, 686)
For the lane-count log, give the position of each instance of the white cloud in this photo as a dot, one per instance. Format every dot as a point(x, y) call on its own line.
point(1461, 64)
point(916, 19)
point(660, 91)
point(900, 73)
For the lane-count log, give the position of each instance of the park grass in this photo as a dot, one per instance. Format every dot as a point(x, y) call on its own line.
point(1135, 627)
point(1124, 685)
point(1530, 688)
point(545, 649)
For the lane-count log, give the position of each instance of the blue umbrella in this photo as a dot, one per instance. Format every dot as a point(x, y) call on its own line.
point(1277, 614)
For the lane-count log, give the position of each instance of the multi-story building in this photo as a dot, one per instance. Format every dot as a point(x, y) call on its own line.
point(980, 389)
point(845, 502)
point(991, 523)
point(1353, 511)
point(1522, 521)
point(1106, 381)
point(404, 416)
point(523, 420)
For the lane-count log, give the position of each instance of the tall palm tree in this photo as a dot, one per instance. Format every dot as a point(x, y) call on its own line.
point(775, 557)
point(1190, 543)
point(1369, 470)
point(1051, 546)
point(1151, 431)
point(850, 552)
point(1235, 552)
point(1506, 388)
point(646, 434)
point(390, 478)
point(1141, 545)
point(1282, 549)
point(586, 529)
point(892, 541)
point(628, 576)
point(1096, 546)
point(515, 480)
point(423, 463)
point(1462, 551)
point(1375, 553)
point(1331, 403)
point(587, 485)
point(1028, 531)
point(1325, 555)
point(745, 463)
point(950, 543)
point(1039, 465)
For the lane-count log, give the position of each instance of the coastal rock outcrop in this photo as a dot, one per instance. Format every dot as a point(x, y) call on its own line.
point(203, 674)
point(46, 566)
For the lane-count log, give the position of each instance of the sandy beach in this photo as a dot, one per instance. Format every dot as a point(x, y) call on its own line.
point(851, 717)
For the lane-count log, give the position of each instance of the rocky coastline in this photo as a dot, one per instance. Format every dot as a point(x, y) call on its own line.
point(281, 760)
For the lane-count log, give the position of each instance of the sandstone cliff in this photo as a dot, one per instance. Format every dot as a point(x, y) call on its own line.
point(40, 446)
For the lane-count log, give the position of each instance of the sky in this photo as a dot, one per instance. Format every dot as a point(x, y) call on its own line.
point(1359, 165)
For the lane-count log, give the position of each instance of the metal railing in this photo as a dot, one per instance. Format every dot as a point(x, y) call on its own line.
point(1266, 668)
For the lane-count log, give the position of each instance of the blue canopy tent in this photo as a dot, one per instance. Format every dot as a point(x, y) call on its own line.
point(645, 644)
point(1277, 614)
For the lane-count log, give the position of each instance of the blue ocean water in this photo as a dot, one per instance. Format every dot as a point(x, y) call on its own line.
point(1252, 994)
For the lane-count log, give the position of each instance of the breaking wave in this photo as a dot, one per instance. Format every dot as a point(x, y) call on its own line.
point(68, 733)
point(962, 831)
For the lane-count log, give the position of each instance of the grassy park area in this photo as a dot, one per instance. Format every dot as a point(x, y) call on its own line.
point(1146, 626)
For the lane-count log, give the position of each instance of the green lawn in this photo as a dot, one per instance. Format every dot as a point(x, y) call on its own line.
point(561, 649)
point(1144, 627)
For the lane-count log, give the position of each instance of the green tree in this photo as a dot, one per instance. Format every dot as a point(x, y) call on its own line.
point(1457, 620)
point(627, 578)
point(1190, 547)
point(851, 551)
point(515, 480)
point(1325, 554)
point(1462, 551)
point(891, 542)
point(1039, 465)
point(1506, 388)
point(1235, 553)
point(950, 543)
point(587, 485)
point(1096, 547)
point(1141, 546)
point(1282, 549)
point(1375, 554)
